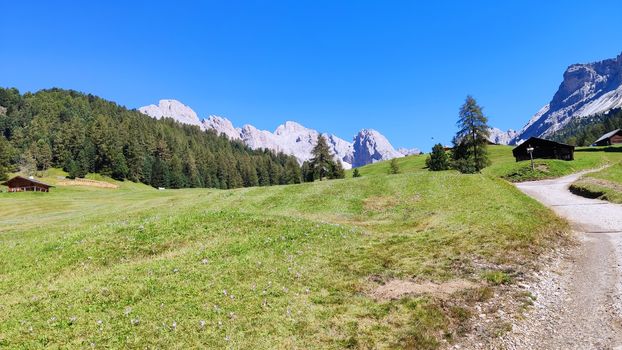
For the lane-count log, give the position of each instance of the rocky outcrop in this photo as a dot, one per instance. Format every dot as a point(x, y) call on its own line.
point(586, 89)
point(371, 146)
point(501, 137)
point(172, 109)
point(290, 138)
point(409, 151)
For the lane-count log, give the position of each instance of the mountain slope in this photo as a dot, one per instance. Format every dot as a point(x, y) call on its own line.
point(587, 89)
point(290, 138)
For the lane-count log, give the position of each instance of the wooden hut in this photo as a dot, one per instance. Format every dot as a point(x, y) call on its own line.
point(543, 149)
point(22, 184)
point(609, 138)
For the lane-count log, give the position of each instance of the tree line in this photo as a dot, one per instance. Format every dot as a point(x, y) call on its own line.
point(83, 133)
point(584, 131)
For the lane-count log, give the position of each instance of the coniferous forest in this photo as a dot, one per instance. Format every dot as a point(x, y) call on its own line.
point(584, 131)
point(82, 133)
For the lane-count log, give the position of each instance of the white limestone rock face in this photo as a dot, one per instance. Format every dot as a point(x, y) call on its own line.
point(409, 151)
point(586, 89)
point(370, 146)
point(290, 138)
point(173, 109)
point(222, 126)
point(501, 137)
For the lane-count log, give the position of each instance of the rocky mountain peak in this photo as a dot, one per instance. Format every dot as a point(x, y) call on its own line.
point(291, 137)
point(586, 89)
point(371, 146)
point(172, 109)
point(222, 126)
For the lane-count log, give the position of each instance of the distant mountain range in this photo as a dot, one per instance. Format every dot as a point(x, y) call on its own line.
point(368, 146)
point(586, 90)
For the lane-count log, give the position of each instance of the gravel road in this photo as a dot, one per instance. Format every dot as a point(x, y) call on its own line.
point(578, 299)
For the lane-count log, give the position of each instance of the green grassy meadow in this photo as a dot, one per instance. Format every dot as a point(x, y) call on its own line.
point(504, 166)
point(265, 267)
point(604, 184)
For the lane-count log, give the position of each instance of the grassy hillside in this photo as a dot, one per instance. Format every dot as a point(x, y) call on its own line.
point(274, 267)
point(605, 184)
point(503, 164)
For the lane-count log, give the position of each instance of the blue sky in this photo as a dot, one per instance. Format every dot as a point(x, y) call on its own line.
point(401, 67)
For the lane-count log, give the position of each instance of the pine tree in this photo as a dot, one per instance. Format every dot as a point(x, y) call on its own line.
point(394, 168)
point(472, 138)
point(356, 173)
point(293, 174)
point(336, 171)
point(71, 167)
point(43, 154)
point(28, 163)
point(307, 172)
point(437, 160)
point(5, 157)
point(322, 161)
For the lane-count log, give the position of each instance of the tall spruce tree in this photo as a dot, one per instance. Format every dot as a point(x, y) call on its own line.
point(470, 154)
point(322, 162)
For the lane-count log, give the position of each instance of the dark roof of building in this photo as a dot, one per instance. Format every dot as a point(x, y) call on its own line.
point(6, 183)
point(539, 141)
point(607, 135)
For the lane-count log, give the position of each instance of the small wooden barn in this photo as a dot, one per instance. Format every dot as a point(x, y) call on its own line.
point(609, 138)
point(542, 148)
point(23, 184)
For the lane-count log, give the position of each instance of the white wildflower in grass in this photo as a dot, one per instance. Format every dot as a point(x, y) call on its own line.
point(174, 325)
point(232, 296)
point(307, 291)
point(127, 311)
point(175, 270)
point(254, 286)
point(135, 321)
point(232, 315)
point(202, 324)
point(72, 319)
point(204, 261)
point(219, 323)
point(227, 338)
point(224, 292)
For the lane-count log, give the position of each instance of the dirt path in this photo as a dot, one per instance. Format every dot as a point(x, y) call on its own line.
point(578, 300)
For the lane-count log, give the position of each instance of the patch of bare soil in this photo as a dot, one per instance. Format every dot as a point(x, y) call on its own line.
point(396, 289)
point(543, 168)
point(86, 182)
point(604, 183)
point(380, 203)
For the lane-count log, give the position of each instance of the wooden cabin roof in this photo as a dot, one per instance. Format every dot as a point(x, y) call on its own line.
point(608, 135)
point(18, 178)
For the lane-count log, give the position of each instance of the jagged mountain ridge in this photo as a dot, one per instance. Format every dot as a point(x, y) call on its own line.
point(586, 89)
point(369, 146)
point(501, 137)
